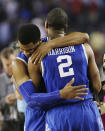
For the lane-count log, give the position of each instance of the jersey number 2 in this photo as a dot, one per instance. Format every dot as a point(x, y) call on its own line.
point(64, 65)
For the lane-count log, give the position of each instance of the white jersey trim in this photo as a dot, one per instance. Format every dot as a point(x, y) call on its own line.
point(42, 68)
point(85, 53)
point(22, 60)
point(42, 64)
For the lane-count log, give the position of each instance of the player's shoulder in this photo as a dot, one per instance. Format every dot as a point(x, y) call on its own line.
point(89, 50)
point(22, 57)
point(17, 63)
point(19, 69)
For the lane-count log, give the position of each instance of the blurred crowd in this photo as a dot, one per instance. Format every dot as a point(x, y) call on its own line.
point(84, 16)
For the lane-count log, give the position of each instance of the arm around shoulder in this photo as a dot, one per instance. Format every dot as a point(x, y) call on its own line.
point(74, 38)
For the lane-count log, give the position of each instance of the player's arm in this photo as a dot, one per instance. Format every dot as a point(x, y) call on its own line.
point(20, 72)
point(18, 95)
point(93, 71)
point(27, 89)
point(74, 38)
point(26, 86)
point(71, 39)
point(52, 98)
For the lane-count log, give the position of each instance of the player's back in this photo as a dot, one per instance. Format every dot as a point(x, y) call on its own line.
point(59, 67)
point(62, 64)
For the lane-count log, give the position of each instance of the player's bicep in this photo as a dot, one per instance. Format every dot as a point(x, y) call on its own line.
point(93, 71)
point(20, 72)
point(34, 73)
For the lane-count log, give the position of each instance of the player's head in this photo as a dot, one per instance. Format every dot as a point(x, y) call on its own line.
point(57, 19)
point(7, 55)
point(28, 36)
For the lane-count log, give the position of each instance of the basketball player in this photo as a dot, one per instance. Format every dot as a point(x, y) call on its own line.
point(28, 36)
point(60, 66)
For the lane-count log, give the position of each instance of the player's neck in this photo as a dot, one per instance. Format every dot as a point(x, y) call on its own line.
point(56, 33)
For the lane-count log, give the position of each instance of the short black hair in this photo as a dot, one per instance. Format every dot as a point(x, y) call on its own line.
point(28, 33)
point(57, 18)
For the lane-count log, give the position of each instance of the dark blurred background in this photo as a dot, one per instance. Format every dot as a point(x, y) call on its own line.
point(84, 16)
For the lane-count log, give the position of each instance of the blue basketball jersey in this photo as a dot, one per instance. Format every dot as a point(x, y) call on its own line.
point(58, 68)
point(34, 117)
point(62, 64)
point(22, 57)
point(45, 39)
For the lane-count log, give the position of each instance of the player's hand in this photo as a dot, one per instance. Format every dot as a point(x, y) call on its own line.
point(42, 50)
point(73, 92)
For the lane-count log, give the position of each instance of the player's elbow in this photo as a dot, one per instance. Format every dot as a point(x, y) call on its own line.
point(97, 87)
point(97, 83)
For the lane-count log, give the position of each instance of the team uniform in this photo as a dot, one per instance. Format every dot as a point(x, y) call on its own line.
point(34, 117)
point(36, 102)
point(69, 115)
